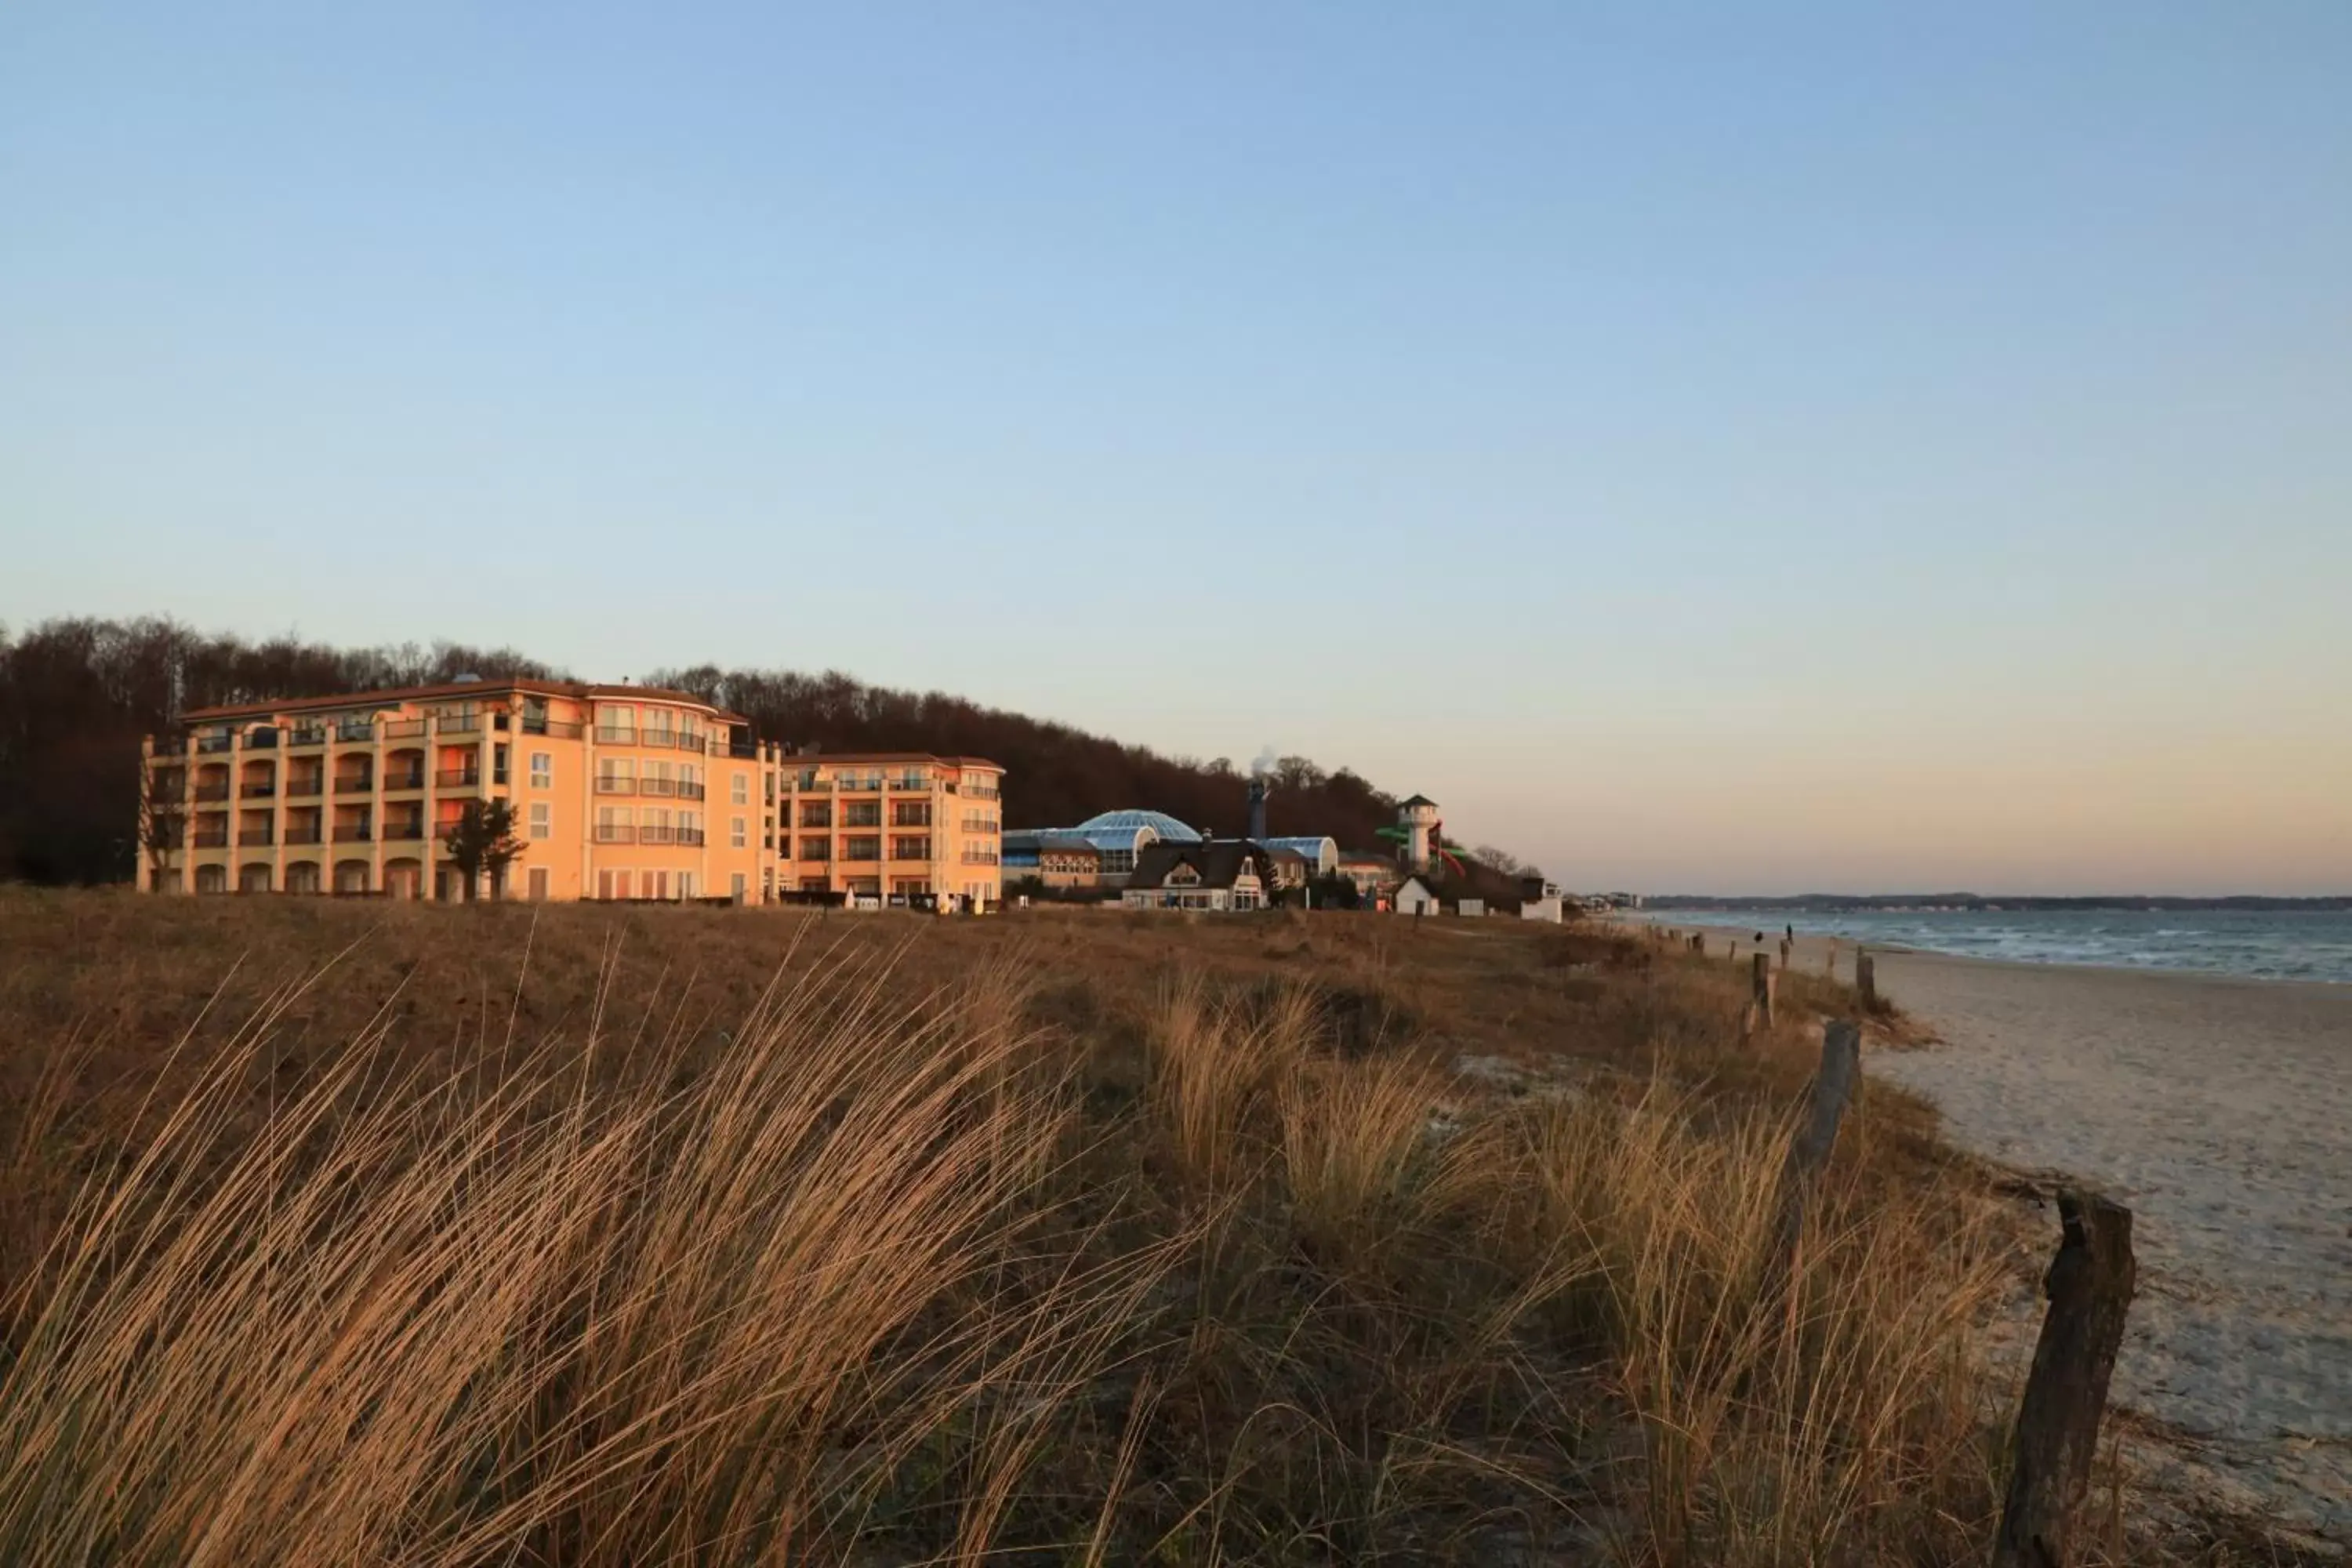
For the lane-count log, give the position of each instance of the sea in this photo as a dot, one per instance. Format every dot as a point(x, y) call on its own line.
point(2297, 944)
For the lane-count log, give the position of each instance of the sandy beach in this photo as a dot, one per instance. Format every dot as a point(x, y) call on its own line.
point(2220, 1110)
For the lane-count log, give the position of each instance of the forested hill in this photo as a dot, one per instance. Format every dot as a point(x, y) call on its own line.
point(77, 695)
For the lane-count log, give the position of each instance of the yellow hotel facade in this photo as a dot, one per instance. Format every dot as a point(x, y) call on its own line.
point(618, 793)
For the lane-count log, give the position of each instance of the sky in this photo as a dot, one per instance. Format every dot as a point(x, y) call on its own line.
point(1704, 447)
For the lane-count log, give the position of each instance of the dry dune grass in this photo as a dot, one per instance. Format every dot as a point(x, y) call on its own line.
point(348, 1235)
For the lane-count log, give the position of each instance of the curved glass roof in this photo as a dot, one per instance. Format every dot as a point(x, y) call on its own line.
point(1126, 829)
point(1324, 852)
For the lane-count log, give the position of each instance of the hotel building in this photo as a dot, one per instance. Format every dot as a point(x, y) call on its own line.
point(618, 792)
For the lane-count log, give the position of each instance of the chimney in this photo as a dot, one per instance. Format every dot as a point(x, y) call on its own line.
point(1257, 807)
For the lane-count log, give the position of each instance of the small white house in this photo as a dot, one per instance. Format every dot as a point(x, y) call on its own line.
point(1413, 897)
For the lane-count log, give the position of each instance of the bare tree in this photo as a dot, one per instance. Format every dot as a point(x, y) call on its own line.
point(162, 822)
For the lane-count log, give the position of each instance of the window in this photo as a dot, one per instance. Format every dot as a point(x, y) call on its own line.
point(816, 813)
point(736, 889)
point(616, 824)
point(616, 723)
point(686, 884)
point(657, 726)
point(542, 770)
point(736, 837)
point(611, 884)
point(653, 885)
point(739, 789)
point(616, 775)
point(542, 824)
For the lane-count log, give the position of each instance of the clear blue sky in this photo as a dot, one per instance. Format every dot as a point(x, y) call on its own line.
point(1734, 447)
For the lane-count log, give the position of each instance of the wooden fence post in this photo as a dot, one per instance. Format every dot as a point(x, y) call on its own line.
point(1764, 982)
point(1808, 1151)
point(2090, 1289)
point(1829, 964)
point(1785, 946)
point(1865, 978)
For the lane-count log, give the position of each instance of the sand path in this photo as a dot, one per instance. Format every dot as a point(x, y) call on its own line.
point(2220, 1110)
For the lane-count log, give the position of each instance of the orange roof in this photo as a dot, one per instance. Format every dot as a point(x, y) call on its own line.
point(824, 758)
point(572, 689)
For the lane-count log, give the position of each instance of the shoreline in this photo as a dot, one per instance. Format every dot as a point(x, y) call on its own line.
point(2215, 1105)
point(1810, 946)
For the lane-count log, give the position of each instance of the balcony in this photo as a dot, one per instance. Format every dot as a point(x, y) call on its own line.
point(919, 785)
point(213, 791)
point(904, 817)
point(857, 787)
point(412, 779)
point(615, 784)
point(656, 834)
point(352, 833)
point(809, 786)
point(453, 727)
point(692, 790)
point(303, 835)
point(615, 833)
point(743, 746)
point(266, 736)
point(361, 785)
point(257, 792)
point(307, 735)
point(404, 730)
point(253, 838)
point(392, 830)
point(657, 786)
point(867, 816)
point(310, 786)
point(553, 728)
point(359, 733)
point(214, 742)
point(981, 791)
point(815, 849)
point(209, 838)
point(608, 736)
point(458, 778)
point(690, 837)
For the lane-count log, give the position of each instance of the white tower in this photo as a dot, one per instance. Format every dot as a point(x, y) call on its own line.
point(1418, 818)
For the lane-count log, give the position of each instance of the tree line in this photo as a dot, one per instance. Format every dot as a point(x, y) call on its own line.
point(75, 696)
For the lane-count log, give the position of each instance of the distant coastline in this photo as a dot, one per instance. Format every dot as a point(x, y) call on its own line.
point(1938, 903)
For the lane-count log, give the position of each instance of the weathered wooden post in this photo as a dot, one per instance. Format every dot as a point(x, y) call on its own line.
point(1808, 1151)
point(1785, 946)
point(1735, 949)
point(2090, 1289)
point(1764, 982)
point(1865, 978)
point(1829, 964)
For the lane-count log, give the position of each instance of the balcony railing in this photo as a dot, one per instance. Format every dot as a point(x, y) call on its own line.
point(815, 824)
point(656, 786)
point(403, 830)
point(554, 728)
point(449, 725)
point(404, 730)
point(690, 837)
point(357, 731)
point(352, 833)
point(981, 792)
point(853, 817)
point(413, 779)
point(302, 835)
point(215, 839)
point(264, 736)
point(815, 849)
point(906, 818)
point(214, 742)
point(257, 790)
point(739, 746)
point(359, 786)
point(307, 735)
point(304, 786)
point(458, 778)
point(212, 790)
point(857, 787)
point(253, 838)
point(615, 784)
point(689, 790)
point(607, 735)
point(808, 786)
point(656, 834)
point(615, 833)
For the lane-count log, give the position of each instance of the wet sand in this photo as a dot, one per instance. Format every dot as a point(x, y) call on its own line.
point(2220, 1110)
